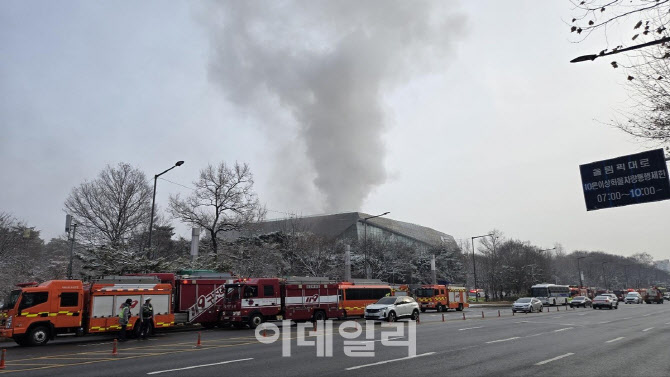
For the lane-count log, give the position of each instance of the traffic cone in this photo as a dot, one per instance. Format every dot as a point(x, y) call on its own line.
point(264, 335)
point(498, 313)
point(464, 316)
point(314, 325)
point(512, 313)
point(2, 359)
point(482, 314)
point(198, 344)
point(442, 317)
point(114, 350)
point(418, 320)
point(558, 309)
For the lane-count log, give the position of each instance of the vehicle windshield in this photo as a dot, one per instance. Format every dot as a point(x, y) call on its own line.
point(424, 292)
point(386, 300)
point(232, 292)
point(539, 292)
point(578, 298)
point(632, 294)
point(523, 300)
point(602, 298)
point(11, 299)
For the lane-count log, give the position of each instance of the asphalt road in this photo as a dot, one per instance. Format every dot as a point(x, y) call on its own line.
point(630, 341)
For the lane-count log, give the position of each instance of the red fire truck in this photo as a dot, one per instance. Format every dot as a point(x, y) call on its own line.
point(254, 301)
point(441, 297)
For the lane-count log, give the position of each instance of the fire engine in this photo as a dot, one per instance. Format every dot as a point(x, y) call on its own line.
point(36, 313)
point(254, 301)
point(442, 297)
point(653, 295)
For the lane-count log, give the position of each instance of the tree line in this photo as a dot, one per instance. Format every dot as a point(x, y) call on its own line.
point(507, 267)
point(113, 213)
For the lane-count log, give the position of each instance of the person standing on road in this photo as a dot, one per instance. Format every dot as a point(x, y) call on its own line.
point(124, 318)
point(147, 317)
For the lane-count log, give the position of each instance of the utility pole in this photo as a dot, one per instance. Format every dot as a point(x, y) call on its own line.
point(581, 283)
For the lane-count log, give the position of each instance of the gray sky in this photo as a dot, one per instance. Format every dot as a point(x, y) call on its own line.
point(463, 117)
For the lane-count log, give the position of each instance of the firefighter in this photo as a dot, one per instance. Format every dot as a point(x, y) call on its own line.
point(147, 317)
point(124, 318)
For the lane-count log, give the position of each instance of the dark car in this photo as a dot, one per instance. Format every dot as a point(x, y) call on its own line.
point(582, 301)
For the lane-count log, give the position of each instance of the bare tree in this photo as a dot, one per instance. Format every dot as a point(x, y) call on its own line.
point(223, 201)
point(639, 22)
point(114, 206)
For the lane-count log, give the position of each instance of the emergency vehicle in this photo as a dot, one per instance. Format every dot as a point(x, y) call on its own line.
point(441, 297)
point(654, 295)
point(36, 313)
point(356, 294)
point(257, 300)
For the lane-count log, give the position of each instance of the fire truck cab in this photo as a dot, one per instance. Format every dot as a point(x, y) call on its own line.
point(441, 297)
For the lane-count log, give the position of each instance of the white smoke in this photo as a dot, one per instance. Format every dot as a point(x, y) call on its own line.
point(328, 64)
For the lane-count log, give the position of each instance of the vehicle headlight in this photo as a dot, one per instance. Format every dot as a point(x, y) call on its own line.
point(8, 324)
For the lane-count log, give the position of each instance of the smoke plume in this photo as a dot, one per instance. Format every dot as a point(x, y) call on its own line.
point(327, 64)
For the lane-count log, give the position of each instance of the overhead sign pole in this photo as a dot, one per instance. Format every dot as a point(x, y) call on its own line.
point(633, 179)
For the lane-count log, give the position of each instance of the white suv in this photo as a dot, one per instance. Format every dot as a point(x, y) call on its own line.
point(633, 298)
point(393, 307)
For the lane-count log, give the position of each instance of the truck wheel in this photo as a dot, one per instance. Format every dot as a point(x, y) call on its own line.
point(423, 310)
point(319, 316)
point(255, 320)
point(460, 308)
point(38, 336)
point(440, 308)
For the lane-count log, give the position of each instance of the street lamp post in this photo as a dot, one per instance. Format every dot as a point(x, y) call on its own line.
point(153, 202)
point(474, 263)
point(581, 283)
point(594, 56)
point(368, 272)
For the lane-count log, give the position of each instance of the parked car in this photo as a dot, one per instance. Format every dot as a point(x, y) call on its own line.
point(392, 308)
point(603, 301)
point(667, 296)
point(633, 298)
point(580, 301)
point(527, 304)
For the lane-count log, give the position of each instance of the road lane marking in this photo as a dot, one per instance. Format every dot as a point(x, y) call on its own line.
point(502, 340)
point(200, 366)
point(647, 315)
point(390, 361)
point(554, 359)
point(563, 329)
point(582, 314)
point(379, 340)
point(470, 328)
point(668, 323)
point(627, 318)
point(604, 322)
point(614, 340)
point(645, 330)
